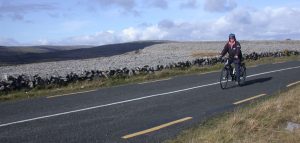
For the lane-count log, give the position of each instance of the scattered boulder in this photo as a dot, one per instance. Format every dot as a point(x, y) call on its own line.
point(292, 126)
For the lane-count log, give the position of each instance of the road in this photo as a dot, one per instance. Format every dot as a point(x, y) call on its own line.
point(144, 112)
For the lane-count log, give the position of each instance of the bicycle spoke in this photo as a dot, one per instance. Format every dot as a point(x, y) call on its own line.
point(224, 78)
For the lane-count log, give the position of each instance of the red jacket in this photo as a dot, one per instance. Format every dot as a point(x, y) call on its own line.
point(235, 50)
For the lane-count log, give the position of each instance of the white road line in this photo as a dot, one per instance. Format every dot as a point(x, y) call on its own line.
point(155, 81)
point(278, 63)
point(273, 71)
point(254, 66)
point(100, 106)
point(71, 93)
point(208, 72)
point(135, 99)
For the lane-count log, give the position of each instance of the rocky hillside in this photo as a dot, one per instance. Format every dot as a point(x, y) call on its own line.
point(131, 55)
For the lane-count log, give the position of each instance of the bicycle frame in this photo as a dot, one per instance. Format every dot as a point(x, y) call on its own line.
point(229, 70)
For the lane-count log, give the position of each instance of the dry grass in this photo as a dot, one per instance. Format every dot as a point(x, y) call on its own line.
point(260, 122)
point(200, 54)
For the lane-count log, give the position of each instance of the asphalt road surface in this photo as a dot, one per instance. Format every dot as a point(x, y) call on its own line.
point(145, 112)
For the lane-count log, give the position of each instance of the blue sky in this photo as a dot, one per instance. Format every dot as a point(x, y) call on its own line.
point(98, 22)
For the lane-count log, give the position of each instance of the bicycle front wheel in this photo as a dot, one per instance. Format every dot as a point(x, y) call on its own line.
point(243, 75)
point(224, 78)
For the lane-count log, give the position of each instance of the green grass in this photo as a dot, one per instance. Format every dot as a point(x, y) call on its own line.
point(263, 121)
point(104, 83)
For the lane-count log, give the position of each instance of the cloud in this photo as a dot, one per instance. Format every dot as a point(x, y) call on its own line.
point(134, 7)
point(165, 30)
point(152, 32)
point(74, 25)
point(166, 24)
point(247, 24)
point(189, 4)
point(127, 6)
point(99, 38)
point(268, 23)
point(110, 36)
point(219, 5)
point(8, 42)
point(163, 4)
point(18, 11)
point(42, 42)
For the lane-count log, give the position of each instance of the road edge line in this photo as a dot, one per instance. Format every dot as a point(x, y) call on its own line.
point(294, 83)
point(70, 93)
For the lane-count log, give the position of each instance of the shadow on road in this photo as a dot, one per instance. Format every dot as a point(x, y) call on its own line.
point(254, 81)
point(258, 80)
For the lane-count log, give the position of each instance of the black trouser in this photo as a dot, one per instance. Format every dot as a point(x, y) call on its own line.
point(237, 64)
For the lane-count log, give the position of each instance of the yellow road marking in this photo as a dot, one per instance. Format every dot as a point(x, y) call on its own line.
point(248, 99)
point(293, 84)
point(70, 94)
point(156, 128)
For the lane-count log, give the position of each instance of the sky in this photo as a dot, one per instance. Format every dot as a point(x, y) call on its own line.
point(99, 22)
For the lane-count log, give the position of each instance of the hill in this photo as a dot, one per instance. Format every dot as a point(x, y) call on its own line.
point(36, 54)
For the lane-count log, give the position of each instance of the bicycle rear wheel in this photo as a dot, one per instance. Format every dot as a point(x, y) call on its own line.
point(224, 78)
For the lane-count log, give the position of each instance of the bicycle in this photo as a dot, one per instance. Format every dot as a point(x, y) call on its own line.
point(229, 71)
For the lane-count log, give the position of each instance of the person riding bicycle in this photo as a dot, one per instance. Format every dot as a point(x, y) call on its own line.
point(233, 48)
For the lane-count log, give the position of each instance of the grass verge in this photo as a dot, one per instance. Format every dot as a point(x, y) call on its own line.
point(262, 121)
point(95, 84)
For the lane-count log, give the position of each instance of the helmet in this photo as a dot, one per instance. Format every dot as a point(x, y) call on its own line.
point(232, 36)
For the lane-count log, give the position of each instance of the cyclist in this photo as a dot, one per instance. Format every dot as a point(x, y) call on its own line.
point(233, 48)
